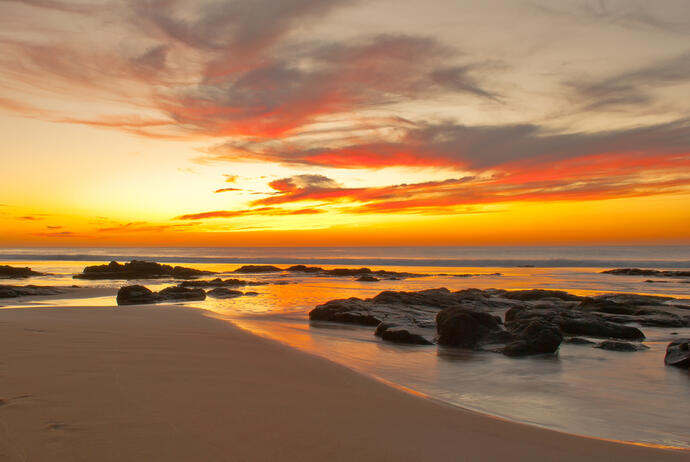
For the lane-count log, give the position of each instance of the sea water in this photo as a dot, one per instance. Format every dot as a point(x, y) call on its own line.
point(623, 396)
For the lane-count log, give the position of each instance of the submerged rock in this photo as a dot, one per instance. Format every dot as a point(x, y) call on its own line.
point(539, 337)
point(222, 292)
point(646, 272)
point(398, 334)
point(137, 269)
point(182, 293)
point(258, 269)
point(678, 353)
point(23, 291)
point(612, 345)
point(16, 273)
point(367, 278)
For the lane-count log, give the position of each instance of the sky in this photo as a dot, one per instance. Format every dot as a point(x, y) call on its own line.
point(344, 122)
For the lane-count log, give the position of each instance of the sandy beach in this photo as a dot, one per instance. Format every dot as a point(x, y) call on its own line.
point(165, 383)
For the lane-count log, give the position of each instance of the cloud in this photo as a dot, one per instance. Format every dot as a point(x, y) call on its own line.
point(632, 88)
point(31, 218)
point(139, 227)
point(448, 144)
point(222, 190)
point(231, 178)
point(249, 212)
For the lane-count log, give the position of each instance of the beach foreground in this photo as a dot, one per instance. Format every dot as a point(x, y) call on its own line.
point(169, 383)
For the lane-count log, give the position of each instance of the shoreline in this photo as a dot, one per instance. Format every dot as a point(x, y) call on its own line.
point(82, 349)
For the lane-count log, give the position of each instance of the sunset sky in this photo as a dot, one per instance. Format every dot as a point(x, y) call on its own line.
point(338, 122)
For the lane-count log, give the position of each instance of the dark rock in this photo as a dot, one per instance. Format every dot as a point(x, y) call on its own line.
point(23, 291)
point(347, 271)
point(138, 270)
point(305, 269)
point(136, 295)
point(678, 353)
point(540, 294)
point(646, 272)
point(352, 310)
point(612, 345)
point(14, 272)
point(139, 295)
point(218, 282)
point(592, 327)
point(258, 269)
point(577, 341)
point(398, 334)
point(462, 327)
point(366, 278)
point(222, 292)
point(251, 294)
point(182, 293)
point(539, 337)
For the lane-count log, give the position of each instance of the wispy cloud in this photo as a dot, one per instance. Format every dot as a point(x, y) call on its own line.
point(272, 211)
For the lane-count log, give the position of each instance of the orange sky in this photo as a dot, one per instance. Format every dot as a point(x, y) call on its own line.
point(338, 123)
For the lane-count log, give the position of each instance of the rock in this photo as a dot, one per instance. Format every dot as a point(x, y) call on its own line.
point(612, 345)
point(577, 341)
point(352, 310)
point(136, 295)
point(347, 271)
point(138, 270)
point(218, 282)
point(462, 327)
point(250, 294)
point(258, 269)
point(140, 295)
point(540, 294)
point(678, 353)
point(30, 290)
point(398, 334)
point(305, 269)
point(182, 293)
point(15, 273)
point(222, 292)
point(599, 328)
point(367, 278)
point(539, 337)
point(646, 272)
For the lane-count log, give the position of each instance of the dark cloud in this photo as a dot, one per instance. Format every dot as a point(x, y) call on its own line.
point(634, 88)
point(475, 147)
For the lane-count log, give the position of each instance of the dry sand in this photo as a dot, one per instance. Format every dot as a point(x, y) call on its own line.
point(171, 384)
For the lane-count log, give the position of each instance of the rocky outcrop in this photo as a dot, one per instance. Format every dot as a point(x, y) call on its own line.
point(137, 269)
point(218, 282)
point(647, 272)
point(11, 272)
point(140, 295)
point(678, 353)
point(613, 345)
point(536, 321)
point(23, 291)
point(257, 269)
point(352, 272)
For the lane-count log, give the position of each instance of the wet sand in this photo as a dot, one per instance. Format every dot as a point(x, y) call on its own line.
point(166, 383)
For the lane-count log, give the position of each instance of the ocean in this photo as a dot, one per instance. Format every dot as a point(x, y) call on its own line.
point(629, 397)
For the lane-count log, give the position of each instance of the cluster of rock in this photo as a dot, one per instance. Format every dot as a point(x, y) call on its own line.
point(363, 274)
point(140, 295)
point(21, 291)
point(678, 353)
point(533, 322)
point(137, 269)
point(218, 282)
point(648, 272)
point(14, 272)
